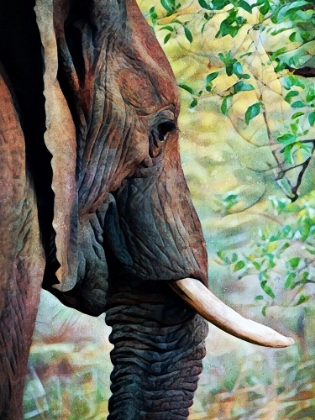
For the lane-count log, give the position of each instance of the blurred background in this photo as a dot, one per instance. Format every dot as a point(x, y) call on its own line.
point(245, 71)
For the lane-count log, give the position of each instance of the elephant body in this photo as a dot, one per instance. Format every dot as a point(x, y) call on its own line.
point(95, 199)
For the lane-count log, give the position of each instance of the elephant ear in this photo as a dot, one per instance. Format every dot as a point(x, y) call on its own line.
point(60, 139)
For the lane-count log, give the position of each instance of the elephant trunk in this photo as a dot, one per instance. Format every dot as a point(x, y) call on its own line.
point(158, 351)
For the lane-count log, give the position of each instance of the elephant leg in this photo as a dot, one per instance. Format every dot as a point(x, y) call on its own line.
point(17, 322)
point(157, 356)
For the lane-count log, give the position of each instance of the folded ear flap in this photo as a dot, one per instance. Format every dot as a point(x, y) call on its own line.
point(60, 139)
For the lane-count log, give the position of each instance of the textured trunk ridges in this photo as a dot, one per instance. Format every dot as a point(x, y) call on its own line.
point(157, 356)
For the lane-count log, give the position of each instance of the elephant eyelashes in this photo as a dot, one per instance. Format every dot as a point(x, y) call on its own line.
point(159, 135)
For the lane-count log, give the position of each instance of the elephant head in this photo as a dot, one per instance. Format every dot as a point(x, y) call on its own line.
point(99, 126)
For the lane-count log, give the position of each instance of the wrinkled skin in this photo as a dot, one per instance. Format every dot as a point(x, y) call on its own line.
point(114, 214)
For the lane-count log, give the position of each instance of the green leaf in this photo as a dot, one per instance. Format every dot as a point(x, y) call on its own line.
point(297, 115)
point(167, 38)
point(188, 34)
point(239, 265)
point(307, 35)
point(265, 8)
point(204, 5)
point(167, 6)
point(292, 37)
point(252, 112)
point(294, 262)
point(226, 105)
point(301, 299)
point(267, 289)
point(311, 118)
point(259, 297)
point(238, 69)
point(289, 281)
point(220, 254)
point(219, 4)
point(242, 87)
point(290, 81)
point(310, 95)
point(186, 87)
point(287, 153)
point(276, 53)
point(304, 277)
point(194, 103)
point(211, 76)
point(285, 246)
point(256, 265)
point(167, 28)
point(263, 311)
point(287, 139)
point(290, 95)
point(244, 5)
point(298, 104)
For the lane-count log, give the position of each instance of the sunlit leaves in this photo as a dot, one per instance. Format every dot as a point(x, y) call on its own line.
point(242, 87)
point(188, 34)
point(298, 104)
point(204, 4)
point(294, 262)
point(239, 265)
point(290, 81)
point(293, 93)
point(226, 103)
point(171, 30)
point(276, 253)
point(311, 118)
point(231, 25)
point(265, 8)
point(194, 94)
point(287, 139)
point(186, 87)
point(252, 111)
point(170, 6)
point(153, 15)
point(267, 289)
point(209, 79)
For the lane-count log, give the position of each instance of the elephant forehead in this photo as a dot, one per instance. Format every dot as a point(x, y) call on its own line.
point(145, 49)
point(138, 90)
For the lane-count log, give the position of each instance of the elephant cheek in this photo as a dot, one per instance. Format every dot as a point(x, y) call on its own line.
point(161, 229)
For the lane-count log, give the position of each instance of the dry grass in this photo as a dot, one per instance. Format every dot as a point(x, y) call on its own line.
point(67, 383)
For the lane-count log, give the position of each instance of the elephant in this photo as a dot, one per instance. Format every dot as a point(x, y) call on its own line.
point(94, 204)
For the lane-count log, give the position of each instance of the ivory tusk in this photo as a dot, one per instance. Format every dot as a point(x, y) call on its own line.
point(218, 313)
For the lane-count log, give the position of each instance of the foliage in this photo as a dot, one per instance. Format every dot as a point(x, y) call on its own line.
point(262, 19)
point(256, 390)
point(52, 368)
point(286, 255)
point(268, 45)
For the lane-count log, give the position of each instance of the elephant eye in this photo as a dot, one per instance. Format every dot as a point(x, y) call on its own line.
point(158, 135)
point(164, 129)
